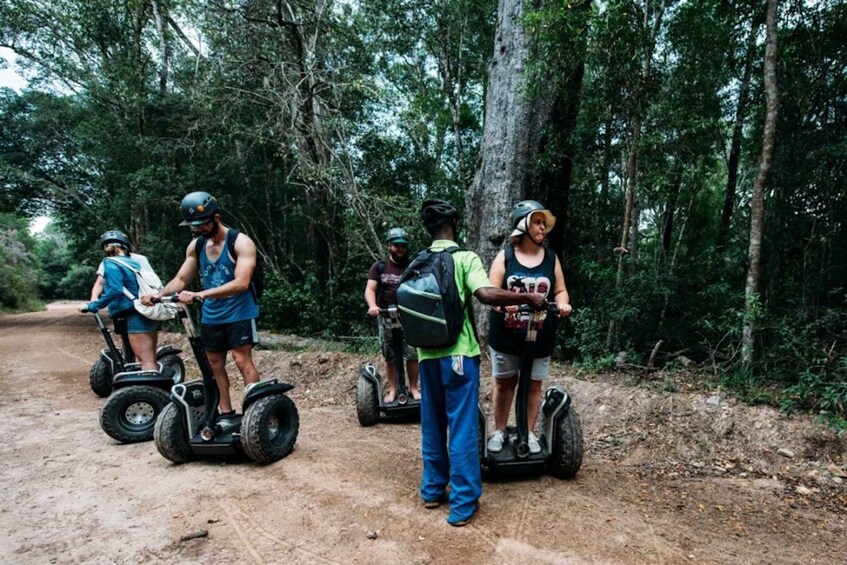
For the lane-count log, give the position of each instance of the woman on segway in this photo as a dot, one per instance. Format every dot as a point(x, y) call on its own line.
point(525, 265)
point(143, 332)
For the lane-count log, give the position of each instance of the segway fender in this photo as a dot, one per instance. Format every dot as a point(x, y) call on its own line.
point(370, 373)
point(149, 378)
point(166, 350)
point(264, 388)
point(556, 402)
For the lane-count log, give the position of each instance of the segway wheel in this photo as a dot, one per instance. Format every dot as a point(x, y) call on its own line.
point(567, 447)
point(175, 363)
point(367, 407)
point(129, 414)
point(269, 428)
point(170, 435)
point(100, 378)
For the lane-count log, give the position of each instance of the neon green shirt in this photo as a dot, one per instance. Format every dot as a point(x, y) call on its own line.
point(470, 277)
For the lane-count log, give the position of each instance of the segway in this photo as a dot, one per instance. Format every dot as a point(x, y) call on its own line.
point(138, 395)
point(189, 425)
point(561, 432)
point(113, 360)
point(370, 406)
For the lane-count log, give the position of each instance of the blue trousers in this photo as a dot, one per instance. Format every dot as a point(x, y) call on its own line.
point(449, 432)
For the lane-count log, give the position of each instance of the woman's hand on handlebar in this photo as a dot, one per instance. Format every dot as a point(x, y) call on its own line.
point(373, 311)
point(565, 310)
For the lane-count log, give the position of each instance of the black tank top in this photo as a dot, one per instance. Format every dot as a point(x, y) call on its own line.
point(507, 332)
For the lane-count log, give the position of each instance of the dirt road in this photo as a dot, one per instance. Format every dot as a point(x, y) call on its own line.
point(667, 478)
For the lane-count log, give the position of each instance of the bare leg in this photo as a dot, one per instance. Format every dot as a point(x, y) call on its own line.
point(412, 372)
point(144, 346)
point(504, 394)
point(533, 403)
point(243, 357)
point(391, 376)
point(217, 360)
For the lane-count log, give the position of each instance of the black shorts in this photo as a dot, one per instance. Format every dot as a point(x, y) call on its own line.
point(220, 338)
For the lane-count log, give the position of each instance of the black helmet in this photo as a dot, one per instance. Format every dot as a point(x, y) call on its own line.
point(198, 208)
point(435, 212)
point(115, 236)
point(396, 235)
point(522, 209)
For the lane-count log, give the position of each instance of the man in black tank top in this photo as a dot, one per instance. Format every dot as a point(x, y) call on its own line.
point(524, 266)
point(381, 292)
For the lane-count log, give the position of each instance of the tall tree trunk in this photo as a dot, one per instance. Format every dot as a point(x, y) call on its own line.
point(757, 202)
point(164, 46)
point(651, 31)
point(451, 85)
point(737, 135)
point(506, 149)
point(670, 210)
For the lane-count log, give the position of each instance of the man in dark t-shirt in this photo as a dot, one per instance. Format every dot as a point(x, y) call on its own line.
point(381, 292)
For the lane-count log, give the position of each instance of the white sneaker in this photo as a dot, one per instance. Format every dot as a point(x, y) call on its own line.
point(534, 446)
point(495, 441)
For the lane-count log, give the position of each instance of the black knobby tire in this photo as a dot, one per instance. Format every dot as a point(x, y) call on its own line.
point(367, 405)
point(170, 435)
point(567, 449)
point(485, 471)
point(175, 363)
point(129, 414)
point(269, 428)
point(100, 378)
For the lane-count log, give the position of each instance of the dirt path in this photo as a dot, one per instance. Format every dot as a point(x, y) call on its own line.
point(664, 480)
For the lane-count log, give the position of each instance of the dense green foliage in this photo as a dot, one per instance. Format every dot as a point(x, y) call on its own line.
point(320, 125)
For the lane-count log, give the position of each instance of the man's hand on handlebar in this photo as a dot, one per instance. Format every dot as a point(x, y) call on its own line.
point(147, 299)
point(373, 311)
point(537, 301)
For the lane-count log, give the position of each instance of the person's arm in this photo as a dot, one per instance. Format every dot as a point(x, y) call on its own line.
point(478, 282)
point(497, 273)
point(370, 298)
point(97, 288)
point(183, 277)
point(560, 292)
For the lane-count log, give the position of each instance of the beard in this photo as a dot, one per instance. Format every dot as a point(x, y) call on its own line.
point(212, 232)
point(397, 257)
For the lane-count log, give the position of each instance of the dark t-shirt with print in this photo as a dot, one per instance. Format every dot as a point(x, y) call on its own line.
point(388, 281)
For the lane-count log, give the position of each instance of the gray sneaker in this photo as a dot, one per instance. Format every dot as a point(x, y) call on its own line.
point(495, 441)
point(534, 446)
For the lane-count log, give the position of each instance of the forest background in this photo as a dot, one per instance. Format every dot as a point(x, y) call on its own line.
point(694, 153)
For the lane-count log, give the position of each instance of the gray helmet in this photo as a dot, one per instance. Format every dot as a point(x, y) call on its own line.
point(522, 209)
point(435, 212)
point(198, 208)
point(115, 236)
point(396, 235)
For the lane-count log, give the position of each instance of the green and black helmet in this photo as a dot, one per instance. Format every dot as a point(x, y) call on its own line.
point(115, 236)
point(396, 235)
point(198, 208)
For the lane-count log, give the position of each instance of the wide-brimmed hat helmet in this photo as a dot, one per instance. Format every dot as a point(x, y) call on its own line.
point(198, 208)
point(396, 235)
point(522, 212)
point(115, 237)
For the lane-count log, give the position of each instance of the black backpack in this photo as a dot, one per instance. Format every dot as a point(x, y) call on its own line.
point(257, 283)
point(431, 310)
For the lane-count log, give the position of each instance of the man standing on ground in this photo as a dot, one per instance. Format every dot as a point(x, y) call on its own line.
point(449, 379)
point(230, 308)
point(381, 292)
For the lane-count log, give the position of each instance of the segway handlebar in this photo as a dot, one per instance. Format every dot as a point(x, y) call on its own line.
point(550, 307)
point(173, 299)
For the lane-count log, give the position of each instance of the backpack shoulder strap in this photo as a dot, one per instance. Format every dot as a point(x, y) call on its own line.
point(231, 236)
point(199, 244)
